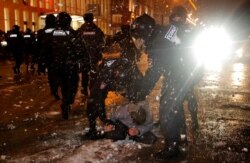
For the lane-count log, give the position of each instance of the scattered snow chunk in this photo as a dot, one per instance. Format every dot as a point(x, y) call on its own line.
point(244, 150)
point(36, 115)
point(15, 105)
point(3, 157)
point(54, 134)
point(11, 126)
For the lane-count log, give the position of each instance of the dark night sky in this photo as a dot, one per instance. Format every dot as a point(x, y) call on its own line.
point(221, 9)
point(235, 14)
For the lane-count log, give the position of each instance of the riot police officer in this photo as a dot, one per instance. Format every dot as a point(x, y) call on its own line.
point(171, 58)
point(43, 49)
point(94, 38)
point(64, 60)
point(15, 43)
point(29, 41)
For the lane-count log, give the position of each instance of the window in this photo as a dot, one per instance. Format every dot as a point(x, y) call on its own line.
point(61, 5)
point(6, 19)
point(116, 18)
point(47, 5)
point(67, 6)
point(17, 17)
point(41, 4)
point(33, 3)
point(34, 18)
point(25, 20)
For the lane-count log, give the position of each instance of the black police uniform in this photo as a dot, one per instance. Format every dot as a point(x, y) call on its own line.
point(15, 43)
point(94, 38)
point(43, 46)
point(63, 62)
point(29, 42)
point(172, 58)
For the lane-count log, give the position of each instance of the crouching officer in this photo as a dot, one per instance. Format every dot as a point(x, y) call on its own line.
point(171, 58)
point(64, 61)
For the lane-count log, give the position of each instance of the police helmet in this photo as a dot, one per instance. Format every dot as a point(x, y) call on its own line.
point(16, 28)
point(88, 17)
point(50, 20)
point(125, 28)
point(179, 11)
point(142, 26)
point(63, 19)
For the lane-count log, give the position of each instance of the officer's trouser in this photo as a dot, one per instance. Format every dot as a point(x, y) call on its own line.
point(69, 86)
point(171, 111)
point(96, 105)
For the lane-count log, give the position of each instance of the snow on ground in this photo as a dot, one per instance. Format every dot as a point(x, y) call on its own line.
point(76, 151)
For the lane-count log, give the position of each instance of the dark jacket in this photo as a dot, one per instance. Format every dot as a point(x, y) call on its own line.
point(64, 54)
point(15, 41)
point(29, 41)
point(94, 38)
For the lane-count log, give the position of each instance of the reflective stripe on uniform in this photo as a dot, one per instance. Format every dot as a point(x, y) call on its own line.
point(89, 33)
point(60, 33)
point(49, 30)
point(27, 36)
point(13, 35)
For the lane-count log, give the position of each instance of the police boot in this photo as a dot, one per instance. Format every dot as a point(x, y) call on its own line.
point(65, 111)
point(170, 152)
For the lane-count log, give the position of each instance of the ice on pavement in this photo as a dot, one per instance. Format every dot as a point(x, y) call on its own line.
point(98, 151)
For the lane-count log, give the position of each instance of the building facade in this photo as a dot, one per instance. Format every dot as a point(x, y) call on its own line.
point(31, 13)
point(109, 14)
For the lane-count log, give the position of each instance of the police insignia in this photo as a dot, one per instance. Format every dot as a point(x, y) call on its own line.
point(171, 33)
point(60, 33)
point(13, 35)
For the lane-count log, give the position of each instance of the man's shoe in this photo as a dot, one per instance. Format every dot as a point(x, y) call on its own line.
point(168, 153)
